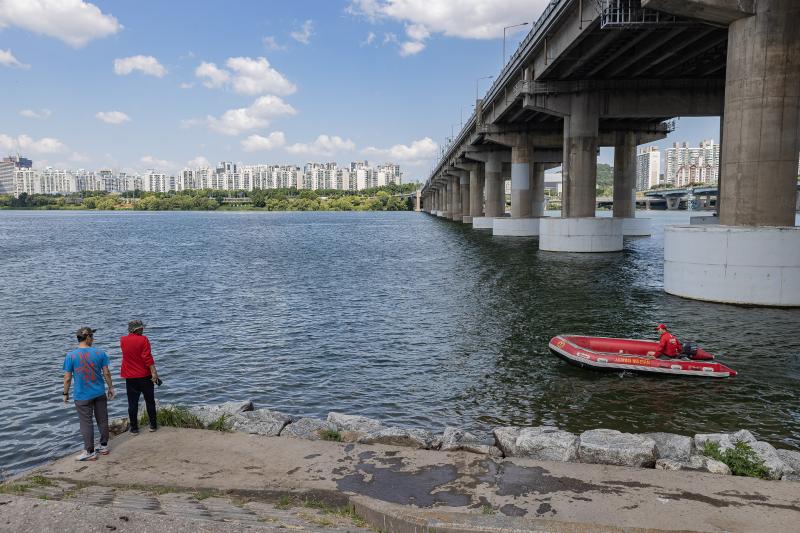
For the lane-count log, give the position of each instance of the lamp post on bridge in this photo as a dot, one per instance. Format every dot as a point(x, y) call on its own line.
point(504, 40)
point(477, 84)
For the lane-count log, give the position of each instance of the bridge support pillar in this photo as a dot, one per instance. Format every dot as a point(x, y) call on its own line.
point(495, 186)
point(455, 198)
point(477, 180)
point(625, 186)
point(578, 230)
point(446, 192)
point(464, 181)
point(753, 255)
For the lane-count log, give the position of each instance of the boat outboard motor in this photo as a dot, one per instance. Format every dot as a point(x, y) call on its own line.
point(689, 350)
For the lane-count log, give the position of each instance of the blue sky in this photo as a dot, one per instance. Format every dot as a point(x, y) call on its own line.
point(147, 84)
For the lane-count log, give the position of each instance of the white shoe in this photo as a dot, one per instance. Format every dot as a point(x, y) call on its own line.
point(87, 456)
point(102, 450)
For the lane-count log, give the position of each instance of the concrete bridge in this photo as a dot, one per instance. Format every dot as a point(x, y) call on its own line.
point(594, 73)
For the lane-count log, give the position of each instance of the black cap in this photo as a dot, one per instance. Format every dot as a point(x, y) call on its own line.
point(135, 325)
point(84, 332)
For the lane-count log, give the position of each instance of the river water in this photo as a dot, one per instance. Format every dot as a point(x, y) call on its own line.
point(400, 316)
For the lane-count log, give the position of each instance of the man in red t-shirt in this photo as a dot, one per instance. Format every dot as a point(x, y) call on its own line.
point(139, 371)
point(669, 344)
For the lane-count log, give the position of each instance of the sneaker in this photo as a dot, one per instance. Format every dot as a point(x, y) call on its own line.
point(87, 456)
point(134, 431)
point(151, 429)
point(102, 450)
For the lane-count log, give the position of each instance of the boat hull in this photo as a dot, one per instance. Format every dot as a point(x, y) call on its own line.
point(631, 355)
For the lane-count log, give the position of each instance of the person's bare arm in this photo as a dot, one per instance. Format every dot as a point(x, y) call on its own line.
point(107, 377)
point(67, 383)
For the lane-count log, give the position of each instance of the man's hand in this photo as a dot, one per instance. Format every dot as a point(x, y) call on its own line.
point(110, 393)
point(66, 397)
point(154, 376)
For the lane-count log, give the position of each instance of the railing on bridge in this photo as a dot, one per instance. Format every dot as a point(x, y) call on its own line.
point(626, 13)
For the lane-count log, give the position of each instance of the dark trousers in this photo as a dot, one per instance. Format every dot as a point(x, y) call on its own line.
point(96, 408)
point(143, 386)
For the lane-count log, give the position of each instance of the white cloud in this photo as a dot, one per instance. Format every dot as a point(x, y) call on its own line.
point(186, 85)
point(214, 76)
point(74, 22)
point(26, 143)
point(370, 39)
point(415, 153)
point(40, 114)
point(257, 115)
point(79, 158)
point(246, 76)
point(468, 19)
point(271, 44)
point(145, 64)
point(7, 59)
point(303, 35)
point(323, 145)
point(199, 162)
point(255, 143)
point(112, 117)
point(410, 48)
point(155, 163)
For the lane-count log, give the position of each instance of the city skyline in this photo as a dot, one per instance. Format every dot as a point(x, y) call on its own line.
point(322, 80)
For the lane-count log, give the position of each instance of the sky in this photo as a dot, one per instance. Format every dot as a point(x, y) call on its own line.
point(161, 85)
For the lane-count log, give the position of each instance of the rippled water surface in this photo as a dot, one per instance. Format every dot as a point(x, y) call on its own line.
point(400, 316)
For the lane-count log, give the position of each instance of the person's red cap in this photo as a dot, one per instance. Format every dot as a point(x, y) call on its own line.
point(661, 326)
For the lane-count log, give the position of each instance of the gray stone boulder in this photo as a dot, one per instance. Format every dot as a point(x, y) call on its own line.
point(724, 440)
point(306, 428)
point(393, 436)
point(790, 477)
point(790, 458)
point(611, 447)
point(505, 438)
point(547, 443)
point(672, 446)
point(118, 426)
point(772, 461)
point(455, 439)
point(260, 422)
point(694, 463)
point(361, 424)
point(210, 413)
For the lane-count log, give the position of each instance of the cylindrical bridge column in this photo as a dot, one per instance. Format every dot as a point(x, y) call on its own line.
point(625, 175)
point(537, 191)
point(580, 143)
point(455, 198)
point(495, 186)
point(465, 196)
point(761, 132)
point(476, 183)
point(521, 178)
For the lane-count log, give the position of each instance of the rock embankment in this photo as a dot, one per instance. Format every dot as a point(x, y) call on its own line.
point(664, 451)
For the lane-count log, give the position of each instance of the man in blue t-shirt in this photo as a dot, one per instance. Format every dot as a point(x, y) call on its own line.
point(88, 367)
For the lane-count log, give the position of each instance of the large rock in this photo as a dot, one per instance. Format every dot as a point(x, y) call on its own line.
point(392, 436)
point(454, 439)
point(547, 443)
point(260, 422)
point(611, 447)
point(790, 458)
point(775, 465)
point(118, 426)
point(723, 440)
point(505, 438)
point(210, 413)
point(694, 463)
point(361, 424)
point(672, 446)
point(307, 428)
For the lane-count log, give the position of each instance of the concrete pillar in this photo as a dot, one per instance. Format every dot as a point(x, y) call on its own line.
point(455, 198)
point(476, 183)
point(580, 151)
point(625, 175)
point(521, 178)
point(761, 134)
point(495, 186)
point(537, 191)
point(465, 197)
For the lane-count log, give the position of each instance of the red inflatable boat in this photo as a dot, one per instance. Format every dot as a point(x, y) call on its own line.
point(604, 353)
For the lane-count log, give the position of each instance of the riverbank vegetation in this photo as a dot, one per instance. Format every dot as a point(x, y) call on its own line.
point(386, 198)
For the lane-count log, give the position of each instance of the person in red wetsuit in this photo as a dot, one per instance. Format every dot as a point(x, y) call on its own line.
point(139, 371)
point(668, 345)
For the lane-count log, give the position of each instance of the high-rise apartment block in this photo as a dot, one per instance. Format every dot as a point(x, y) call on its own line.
point(648, 168)
point(685, 165)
